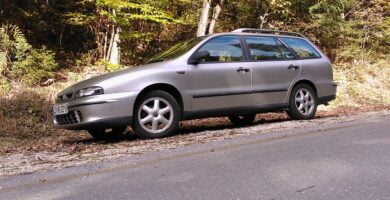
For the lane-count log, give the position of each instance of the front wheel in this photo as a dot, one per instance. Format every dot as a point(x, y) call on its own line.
point(242, 120)
point(303, 103)
point(156, 115)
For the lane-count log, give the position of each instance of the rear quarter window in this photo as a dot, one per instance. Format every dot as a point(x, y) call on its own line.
point(302, 48)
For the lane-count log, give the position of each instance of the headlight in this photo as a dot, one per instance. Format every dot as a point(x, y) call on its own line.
point(90, 91)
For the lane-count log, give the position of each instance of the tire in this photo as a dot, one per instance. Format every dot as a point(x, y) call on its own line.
point(104, 134)
point(156, 115)
point(242, 120)
point(303, 103)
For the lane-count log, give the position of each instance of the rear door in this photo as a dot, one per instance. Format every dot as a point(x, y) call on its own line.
point(224, 79)
point(274, 68)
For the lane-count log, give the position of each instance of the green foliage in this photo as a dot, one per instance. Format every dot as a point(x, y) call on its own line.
point(365, 34)
point(346, 30)
point(35, 66)
point(20, 61)
point(124, 12)
point(109, 67)
point(327, 22)
point(5, 85)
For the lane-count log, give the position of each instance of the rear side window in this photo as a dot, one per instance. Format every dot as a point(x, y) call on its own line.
point(302, 48)
point(267, 48)
point(223, 49)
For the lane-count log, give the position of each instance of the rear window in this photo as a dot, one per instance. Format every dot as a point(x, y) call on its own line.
point(302, 48)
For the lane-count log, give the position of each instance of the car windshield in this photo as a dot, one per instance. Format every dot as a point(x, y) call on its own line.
point(176, 50)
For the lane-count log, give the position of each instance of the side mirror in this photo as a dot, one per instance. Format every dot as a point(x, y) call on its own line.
point(198, 56)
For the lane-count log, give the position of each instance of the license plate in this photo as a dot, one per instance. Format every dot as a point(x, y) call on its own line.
point(60, 109)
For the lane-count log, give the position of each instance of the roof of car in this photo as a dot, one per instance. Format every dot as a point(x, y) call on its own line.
point(264, 32)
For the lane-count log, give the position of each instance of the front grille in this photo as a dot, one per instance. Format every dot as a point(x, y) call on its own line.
point(73, 117)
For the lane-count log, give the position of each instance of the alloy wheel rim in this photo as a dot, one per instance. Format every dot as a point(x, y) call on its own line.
point(304, 101)
point(155, 115)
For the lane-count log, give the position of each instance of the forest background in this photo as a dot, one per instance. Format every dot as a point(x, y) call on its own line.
point(47, 45)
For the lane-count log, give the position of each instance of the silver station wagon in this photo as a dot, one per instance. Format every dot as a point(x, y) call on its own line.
point(236, 74)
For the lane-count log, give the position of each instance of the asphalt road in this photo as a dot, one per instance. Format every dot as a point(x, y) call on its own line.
point(349, 160)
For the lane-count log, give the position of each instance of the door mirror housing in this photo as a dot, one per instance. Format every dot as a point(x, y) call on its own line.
point(198, 56)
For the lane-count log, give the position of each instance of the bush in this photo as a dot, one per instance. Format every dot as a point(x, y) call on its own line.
point(19, 61)
point(36, 66)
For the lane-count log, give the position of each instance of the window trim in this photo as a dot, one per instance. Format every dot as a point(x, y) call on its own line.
point(244, 55)
point(295, 53)
point(246, 52)
point(250, 57)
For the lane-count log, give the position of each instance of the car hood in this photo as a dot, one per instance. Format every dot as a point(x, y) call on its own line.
point(113, 78)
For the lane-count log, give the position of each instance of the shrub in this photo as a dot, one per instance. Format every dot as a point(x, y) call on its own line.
point(19, 61)
point(35, 66)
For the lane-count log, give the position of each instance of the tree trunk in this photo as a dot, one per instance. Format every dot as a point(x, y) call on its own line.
point(113, 53)
point(110, 43)
point(105, 45)
point(216, 13)
point(115, 50)
point(263, 19)
point(204, 17)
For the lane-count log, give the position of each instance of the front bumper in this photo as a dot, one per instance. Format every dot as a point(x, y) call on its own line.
point(107, 110)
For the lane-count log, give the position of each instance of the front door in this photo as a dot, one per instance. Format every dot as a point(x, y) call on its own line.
point(224, 79)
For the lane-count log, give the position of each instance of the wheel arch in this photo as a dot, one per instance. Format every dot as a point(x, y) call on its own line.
point(172, 90)
point(301, 81)
point(307, 82)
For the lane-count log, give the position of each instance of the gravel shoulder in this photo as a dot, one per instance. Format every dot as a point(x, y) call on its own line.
point(84, 151)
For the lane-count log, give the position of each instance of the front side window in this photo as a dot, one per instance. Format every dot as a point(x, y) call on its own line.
point(302, 48)
point(267, 48)
point(223, 49)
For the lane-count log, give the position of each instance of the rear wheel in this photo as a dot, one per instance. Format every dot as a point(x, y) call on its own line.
point(156, 115)
point(303, 103)
point(242, 120)
point(107, 133)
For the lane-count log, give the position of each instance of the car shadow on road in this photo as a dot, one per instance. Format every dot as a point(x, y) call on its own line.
point(188, 127)
point(193, 127)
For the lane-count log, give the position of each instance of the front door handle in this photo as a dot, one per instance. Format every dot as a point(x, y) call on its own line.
point(242, 70)
point(293, 67)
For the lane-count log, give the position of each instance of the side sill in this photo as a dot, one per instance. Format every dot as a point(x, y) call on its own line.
point(223, 112)
point(195, 96)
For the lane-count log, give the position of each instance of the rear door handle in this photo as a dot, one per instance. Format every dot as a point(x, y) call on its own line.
point(241, 69)
point(293, 67)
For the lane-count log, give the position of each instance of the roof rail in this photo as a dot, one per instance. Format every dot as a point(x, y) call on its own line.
point(255, 30)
